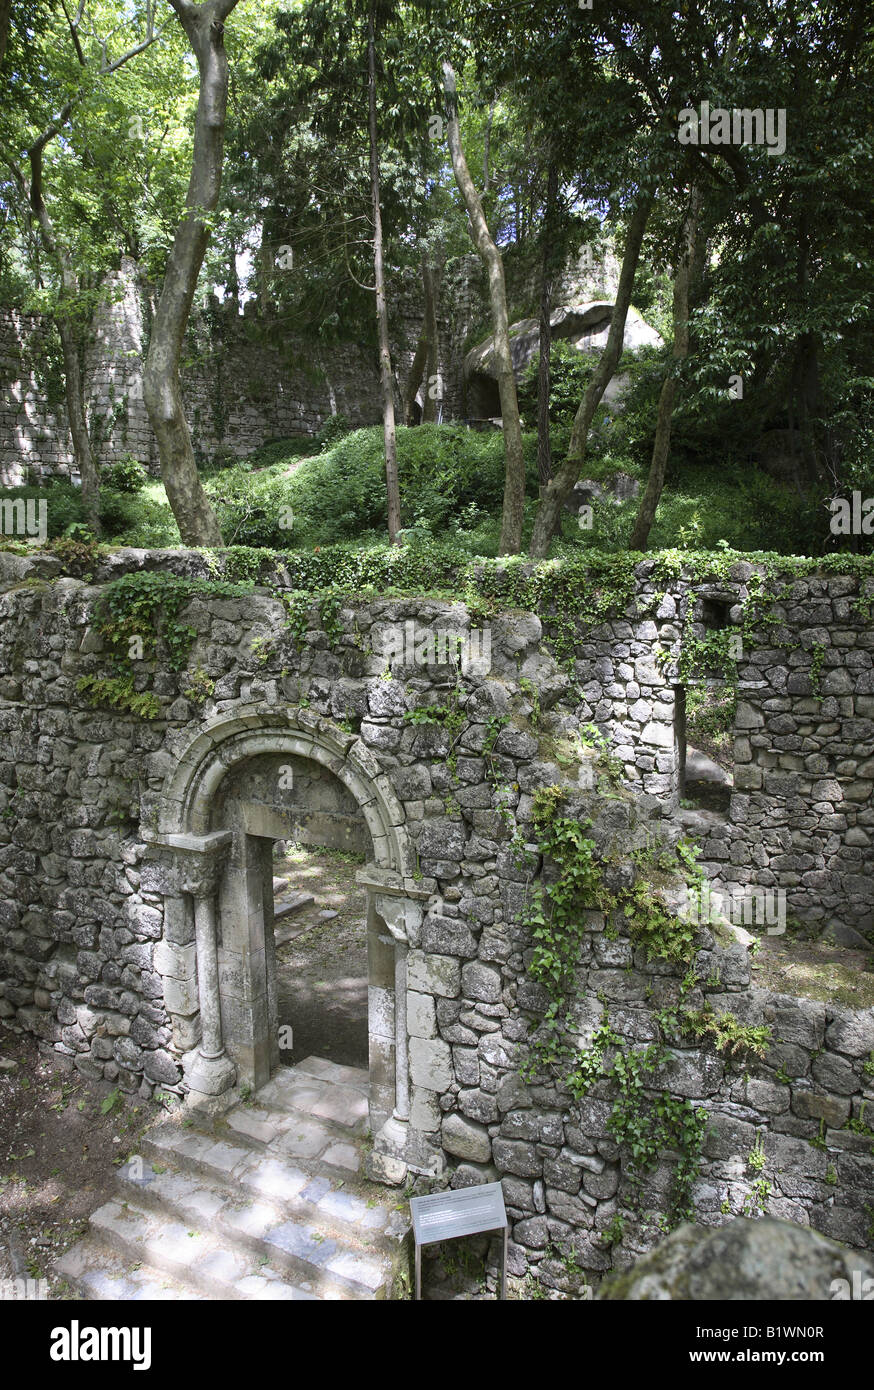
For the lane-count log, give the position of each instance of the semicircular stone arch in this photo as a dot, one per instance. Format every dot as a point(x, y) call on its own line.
point(218, 906)
point(225, 741)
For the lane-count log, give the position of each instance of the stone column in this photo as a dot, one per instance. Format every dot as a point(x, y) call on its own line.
point(199, 862)
point(207, 977)
point(402, 1056)
point(396, 903)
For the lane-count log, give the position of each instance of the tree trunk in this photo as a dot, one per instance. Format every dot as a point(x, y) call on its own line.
point(548, 520)
point(544, 451)
point(431, 280)
point(65, 320)
point(514, 480)
point(75, 397)
point(392, 486)
point(204, 26)
point(487, 145)
point(425, 363)
point(662, 442)
point(414, 380)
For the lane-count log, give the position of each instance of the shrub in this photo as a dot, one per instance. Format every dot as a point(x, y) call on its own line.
point(140, 520)
point(64, 504)
point(280, 451)
point(705, 506)
point(444, 471)
point(570, 371)
point(127, 475)
point(249, 506)
point(333, 429)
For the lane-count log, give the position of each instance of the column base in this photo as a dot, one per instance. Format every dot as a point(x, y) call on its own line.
point(399, 1150)
point(211, 1076)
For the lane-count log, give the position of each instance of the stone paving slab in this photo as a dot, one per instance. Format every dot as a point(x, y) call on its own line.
point(333, 1072)
point(254, 1219)
point(286, 907)
point(274, 1178)
point(343, 1156)
point(344, 1106)
point(287, 1089)
point(360, 1269)
point(257, 1123)
point(302, 1242)
point(255, 1287)
point(305, 1138)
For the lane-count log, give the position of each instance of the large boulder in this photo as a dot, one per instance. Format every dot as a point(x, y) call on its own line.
point(745, 1260)
point(585, 326)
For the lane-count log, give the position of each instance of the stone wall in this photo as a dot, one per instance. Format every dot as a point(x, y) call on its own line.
point(34, 434)
point(99, 951)
point(801, 817)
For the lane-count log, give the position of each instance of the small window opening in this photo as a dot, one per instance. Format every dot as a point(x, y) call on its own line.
point(715, 613)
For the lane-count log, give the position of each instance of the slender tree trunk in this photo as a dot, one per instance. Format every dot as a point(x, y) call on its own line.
point(662, 442)
point(392, 486)
point(5, 10)
point(514, 481)
point(74, 387)
point(544, 451)
point(75, 397)
point(204, 26)
point(548, 519)
point(414, 380)
point(431, 280)
point(487, 146)
point(425, 362)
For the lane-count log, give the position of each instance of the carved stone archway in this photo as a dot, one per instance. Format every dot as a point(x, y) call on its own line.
point(215, 958)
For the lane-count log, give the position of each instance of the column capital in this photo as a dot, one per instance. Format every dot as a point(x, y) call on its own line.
point(402, 916)
point(198, 844)
point(190, 863)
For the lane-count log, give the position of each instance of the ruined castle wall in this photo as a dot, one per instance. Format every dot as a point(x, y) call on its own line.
point(244, 383)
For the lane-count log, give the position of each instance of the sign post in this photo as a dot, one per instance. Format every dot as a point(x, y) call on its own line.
point(469, 1211)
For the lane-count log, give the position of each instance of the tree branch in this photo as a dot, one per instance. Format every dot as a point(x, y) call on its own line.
point(224, 7)
point(73, 26)
point(185, 10)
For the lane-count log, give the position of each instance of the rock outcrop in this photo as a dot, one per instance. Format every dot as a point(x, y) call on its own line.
point(746, 1260)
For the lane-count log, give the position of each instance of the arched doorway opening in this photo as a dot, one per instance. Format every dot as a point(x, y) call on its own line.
point(242, 783)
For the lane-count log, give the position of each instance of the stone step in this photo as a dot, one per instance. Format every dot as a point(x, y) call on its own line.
point(279, 884)
point(273, 1192)
point(96, 1272)
point(248, 1135)
point(266, 1202)
point(303, 1258)
point(203, 1261)
point(285, 907)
